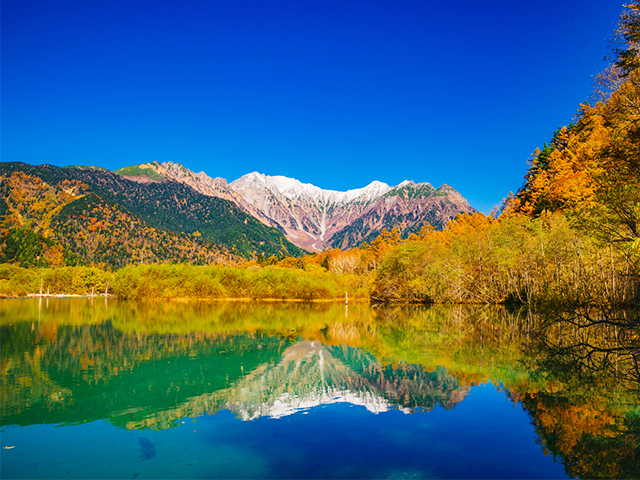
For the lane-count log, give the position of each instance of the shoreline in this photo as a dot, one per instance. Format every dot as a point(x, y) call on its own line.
point(64, 295)
point(189, 299)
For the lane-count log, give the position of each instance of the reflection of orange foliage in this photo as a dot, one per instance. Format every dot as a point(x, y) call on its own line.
point(570, 422)
point(49, 330)
point(569, 426)
point(344, 333)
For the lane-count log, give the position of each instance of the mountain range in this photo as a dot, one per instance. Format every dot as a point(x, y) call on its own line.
point(148, 213)
point(313, 218)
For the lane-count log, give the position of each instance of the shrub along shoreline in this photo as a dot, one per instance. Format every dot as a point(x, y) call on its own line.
point(175, 281)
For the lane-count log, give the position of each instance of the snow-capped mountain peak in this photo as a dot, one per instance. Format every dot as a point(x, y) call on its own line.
point(296, 190)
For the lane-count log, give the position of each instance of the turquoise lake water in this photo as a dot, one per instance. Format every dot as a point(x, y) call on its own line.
point(192, 390)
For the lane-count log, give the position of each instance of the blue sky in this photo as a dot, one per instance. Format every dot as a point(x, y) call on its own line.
point(334, 93)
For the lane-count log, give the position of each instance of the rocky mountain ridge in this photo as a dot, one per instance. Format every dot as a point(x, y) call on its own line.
point(314, 218)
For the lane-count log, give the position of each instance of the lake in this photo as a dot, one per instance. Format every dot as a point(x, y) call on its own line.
point(133, 390)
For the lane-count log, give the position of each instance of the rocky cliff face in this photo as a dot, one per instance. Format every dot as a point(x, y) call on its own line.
point(407, 206)
point(307, 214)
point(315, 219)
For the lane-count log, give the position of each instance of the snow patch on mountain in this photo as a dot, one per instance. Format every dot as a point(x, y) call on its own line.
point(295, 190)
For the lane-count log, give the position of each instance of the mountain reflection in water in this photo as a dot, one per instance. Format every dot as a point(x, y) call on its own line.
point(77, 373)
point(149, 365)
point(311, 374)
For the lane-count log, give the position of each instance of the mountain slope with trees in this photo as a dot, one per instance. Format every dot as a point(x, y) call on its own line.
point(171, 207)
point(66, 224)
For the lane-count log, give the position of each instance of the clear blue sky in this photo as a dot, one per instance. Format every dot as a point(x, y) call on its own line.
point(334, 93)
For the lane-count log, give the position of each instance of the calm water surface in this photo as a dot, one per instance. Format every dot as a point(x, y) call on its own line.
point(288, 390)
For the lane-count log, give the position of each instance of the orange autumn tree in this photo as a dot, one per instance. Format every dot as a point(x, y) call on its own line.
point(591, 169)
point(380, 246)
point(562, 176)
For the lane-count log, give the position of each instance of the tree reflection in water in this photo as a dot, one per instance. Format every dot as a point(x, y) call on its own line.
point(147, 365)
point(588, 414)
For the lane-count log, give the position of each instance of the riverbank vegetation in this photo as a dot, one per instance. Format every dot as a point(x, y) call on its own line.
point(307, 281)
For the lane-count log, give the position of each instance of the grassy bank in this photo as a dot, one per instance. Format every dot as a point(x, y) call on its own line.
point(166, 281)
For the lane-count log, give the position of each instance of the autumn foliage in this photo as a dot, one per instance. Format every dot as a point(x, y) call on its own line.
point(53, 225)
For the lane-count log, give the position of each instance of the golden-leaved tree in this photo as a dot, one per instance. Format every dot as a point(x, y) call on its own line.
point(591, 169)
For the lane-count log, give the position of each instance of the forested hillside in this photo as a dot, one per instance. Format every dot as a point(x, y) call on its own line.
point(65, 224)
point(95, 229)
point(172, 208)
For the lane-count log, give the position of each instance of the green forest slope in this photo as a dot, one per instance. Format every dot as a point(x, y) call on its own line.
point(33, 197)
